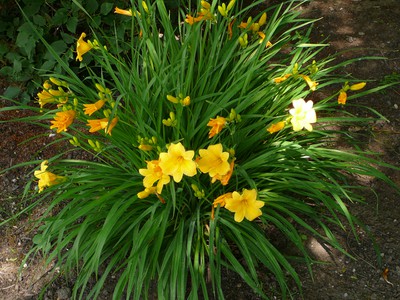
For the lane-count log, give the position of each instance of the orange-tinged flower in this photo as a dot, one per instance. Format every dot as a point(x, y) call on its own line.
point(63, 120)
point(82, 47)
point(152, 174)
point(225, 178)
point(47, 178)
point(282, 78)
point(216, 125)
point(123, 12)
point(191, 20)
point(276, 127)
point(303, 115)
point(244, 205)
point(312, 84)
point(342, 97)
point(213, 161)
point(177, 162)
point(221, 200)
point(92, 108)
point(357, 86)
point(98, 124)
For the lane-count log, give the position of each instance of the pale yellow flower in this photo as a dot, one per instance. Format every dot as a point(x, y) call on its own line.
point(303, 115)
point(82, 47)
point(47, 178)
point(177, 162)
point(152, 174)
point(244, 205)
point(213, 161)
point(63, 120)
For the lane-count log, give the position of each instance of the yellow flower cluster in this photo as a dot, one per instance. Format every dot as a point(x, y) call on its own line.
point(178, 162)
point(254, 27)
point(51, 95)
point(204, 14)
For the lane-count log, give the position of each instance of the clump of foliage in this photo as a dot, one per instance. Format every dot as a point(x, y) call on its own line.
point(25, 58)
point(204, 136)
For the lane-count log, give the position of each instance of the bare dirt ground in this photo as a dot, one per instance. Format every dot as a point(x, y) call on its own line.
point(354, 28)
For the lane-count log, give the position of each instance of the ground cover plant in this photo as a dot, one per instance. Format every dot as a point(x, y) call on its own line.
point(203, 138)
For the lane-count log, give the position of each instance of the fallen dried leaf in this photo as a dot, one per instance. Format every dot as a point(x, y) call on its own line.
point(385, 276)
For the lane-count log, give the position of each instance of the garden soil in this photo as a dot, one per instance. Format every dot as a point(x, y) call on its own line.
point(353, 28)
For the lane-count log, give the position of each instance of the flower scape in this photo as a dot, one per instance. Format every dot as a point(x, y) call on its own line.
point(204, 135)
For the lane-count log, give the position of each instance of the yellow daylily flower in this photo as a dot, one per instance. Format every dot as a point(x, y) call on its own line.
point(177, 162)
point(221, 201)
point(125, 12)
point(47, 178)
point(342, 97)
point(224, 179)
point(92, 108)
point(63, 120)
point(282, 78)
point(216, 125)
point(82, 47)
point(311, 84)
point(213, 161)
point(303, 115)
point(98, 124)
point(152, 174)
point(191, 20)
point(276, 127)
point(204, 14)
point(244, 205)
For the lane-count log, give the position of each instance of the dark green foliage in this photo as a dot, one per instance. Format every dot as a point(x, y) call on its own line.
point(23, 58)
